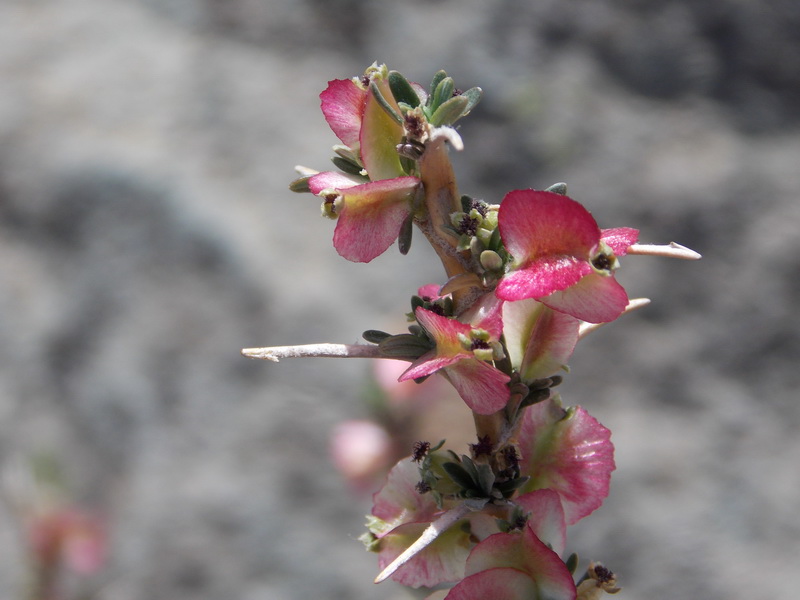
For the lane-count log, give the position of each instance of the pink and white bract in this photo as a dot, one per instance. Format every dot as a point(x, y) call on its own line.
point(561, 257)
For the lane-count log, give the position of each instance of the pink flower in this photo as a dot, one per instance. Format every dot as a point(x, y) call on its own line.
point(360, 122)
point(569, 452)
point(521, 565)
point(371, 208)
point(370, 215)
point(561, 257)
point(462, 353)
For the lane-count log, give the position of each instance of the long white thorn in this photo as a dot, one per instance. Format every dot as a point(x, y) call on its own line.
point(671, 250)
point(275, 353)
point(434, 530)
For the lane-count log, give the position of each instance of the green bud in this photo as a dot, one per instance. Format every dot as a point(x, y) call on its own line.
point(484, 235)
point(491, 261)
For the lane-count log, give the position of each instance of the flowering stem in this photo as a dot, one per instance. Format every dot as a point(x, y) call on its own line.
point(275, 353)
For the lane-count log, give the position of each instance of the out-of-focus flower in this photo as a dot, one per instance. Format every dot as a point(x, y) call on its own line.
point(361, 450)
point(70, 537)
point(561, 257)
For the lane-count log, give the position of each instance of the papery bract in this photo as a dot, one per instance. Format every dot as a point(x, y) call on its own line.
point(569, 452)
point(539, 339)
point(403, 514)
point(561, 256)
point(370, 215)
point(343, 106)
point(519, 565)
point(480, 385)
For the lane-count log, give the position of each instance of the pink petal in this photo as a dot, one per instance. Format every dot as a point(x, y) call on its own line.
point(343, 106)
point(524, 552)
point(486, 313)
point(620, 239)
point(541, 277)
point(540, 340)
point(332, 180)
point(594, 299)
point(481, 386)
point(379, 137)
point(398, 502)
point(568, 452)
point(430, 291)
point(371, 217)
point(535, 224)
point(496, 584)
point(429, 363)
point(546, 518)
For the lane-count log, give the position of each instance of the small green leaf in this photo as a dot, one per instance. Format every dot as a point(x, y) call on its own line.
point(443, 93)
point(485, 478)
point(384, 103)
point(460, 476)
point(375, 336)
point(572, 563)
point(474, 96)
point(404, 345)
point(346, 166)
point(404, 239)
point(450, 111)
point(300, 184)
point(558, 188)
point(437, 78)
point(402, 90)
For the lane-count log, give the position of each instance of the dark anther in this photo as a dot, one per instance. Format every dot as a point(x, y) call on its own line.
point(480, 345)
point(601, 262)
point(519, 522)
point(511, 456)
point(420, 450)
point(422, 487)
point(438, 309)
point(480, 206)
point(365, 81)
point(414, 127)
point(603, 575)
point(457, 92)
point(468, 226)
point(484, 446)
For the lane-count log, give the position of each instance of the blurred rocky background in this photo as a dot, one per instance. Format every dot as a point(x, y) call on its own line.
point(147, 234)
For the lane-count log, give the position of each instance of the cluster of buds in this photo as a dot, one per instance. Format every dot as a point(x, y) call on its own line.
point(525, 280)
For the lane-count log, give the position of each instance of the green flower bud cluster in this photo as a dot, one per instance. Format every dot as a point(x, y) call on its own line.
point(476, 227)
